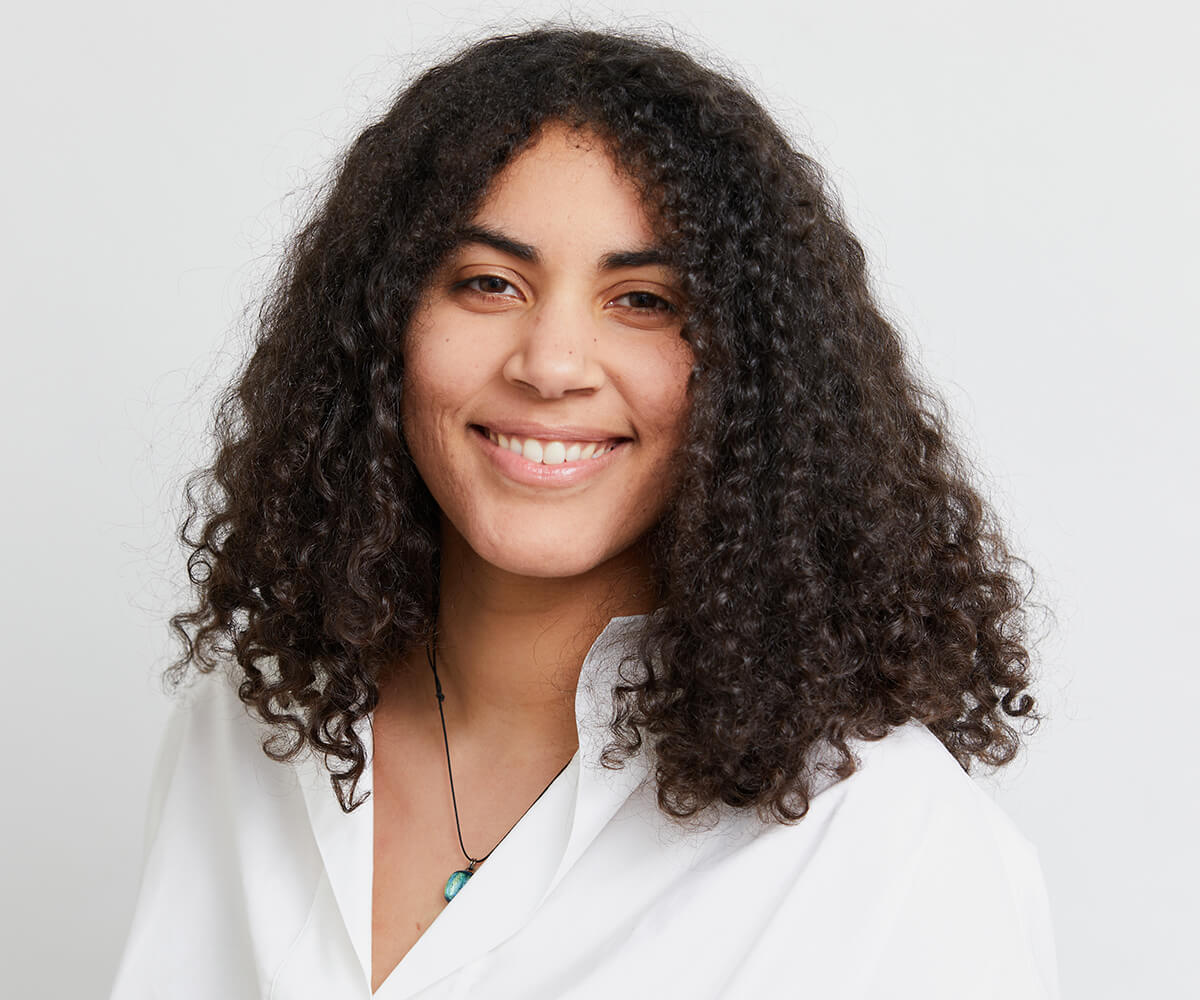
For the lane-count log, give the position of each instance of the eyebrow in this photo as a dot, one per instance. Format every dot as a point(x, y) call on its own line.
point(611, 261)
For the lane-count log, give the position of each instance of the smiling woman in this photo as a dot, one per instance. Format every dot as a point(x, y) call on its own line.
point(577, 520)
point(573, 343)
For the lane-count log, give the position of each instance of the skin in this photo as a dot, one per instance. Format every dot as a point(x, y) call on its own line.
point(530, 573)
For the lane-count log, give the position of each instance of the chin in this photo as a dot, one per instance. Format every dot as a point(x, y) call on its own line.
point(547, 563)
point(549, 556)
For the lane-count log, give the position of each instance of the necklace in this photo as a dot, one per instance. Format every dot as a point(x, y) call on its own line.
point(459, 878)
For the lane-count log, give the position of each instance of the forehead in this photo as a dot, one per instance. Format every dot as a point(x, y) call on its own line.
point(566, 190)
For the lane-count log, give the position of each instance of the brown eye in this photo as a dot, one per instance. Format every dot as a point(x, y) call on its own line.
point(489, 284)
point(646, 302)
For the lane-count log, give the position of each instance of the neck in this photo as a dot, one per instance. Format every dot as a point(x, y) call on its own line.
point(510, 648)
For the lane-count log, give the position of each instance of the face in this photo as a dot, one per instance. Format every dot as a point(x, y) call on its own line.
point(546, 378)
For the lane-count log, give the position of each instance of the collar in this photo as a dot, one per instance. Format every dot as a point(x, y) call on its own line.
point(523, 868)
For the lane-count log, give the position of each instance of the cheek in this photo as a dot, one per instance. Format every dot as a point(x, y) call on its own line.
point(416, 402)
point(661, 385)
point(427, 400)
point(441, 375)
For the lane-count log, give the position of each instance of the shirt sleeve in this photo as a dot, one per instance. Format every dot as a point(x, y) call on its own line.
point(166, 763)
point(917, 887)
point(231, 871)
point(968, 916)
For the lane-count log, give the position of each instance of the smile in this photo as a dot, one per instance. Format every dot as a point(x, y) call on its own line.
point(552, 452)
point(538, 462)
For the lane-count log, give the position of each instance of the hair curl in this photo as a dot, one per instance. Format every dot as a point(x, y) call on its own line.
point(827, 570)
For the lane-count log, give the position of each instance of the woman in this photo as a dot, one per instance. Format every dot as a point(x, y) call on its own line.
point(577, 519)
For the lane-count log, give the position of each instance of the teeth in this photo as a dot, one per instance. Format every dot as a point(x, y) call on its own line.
point(550, 452)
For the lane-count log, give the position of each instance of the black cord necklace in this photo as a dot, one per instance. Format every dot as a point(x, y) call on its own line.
point(459, 878)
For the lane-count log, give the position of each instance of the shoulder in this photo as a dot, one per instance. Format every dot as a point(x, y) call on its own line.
point(212, 780)
point(912, 779)
point(230, 866)
point(904, 880)
point(912, 802)
point(955, 887)
point(213, 740)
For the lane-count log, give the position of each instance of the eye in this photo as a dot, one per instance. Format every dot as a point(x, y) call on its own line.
point(646, 302)
point(489, 286)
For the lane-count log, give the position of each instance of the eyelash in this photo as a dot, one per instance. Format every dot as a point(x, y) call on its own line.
point(662, 305)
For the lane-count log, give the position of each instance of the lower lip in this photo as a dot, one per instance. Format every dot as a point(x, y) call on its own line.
point(521, 470)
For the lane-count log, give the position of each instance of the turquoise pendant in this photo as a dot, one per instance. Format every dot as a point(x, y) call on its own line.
point(456, 882)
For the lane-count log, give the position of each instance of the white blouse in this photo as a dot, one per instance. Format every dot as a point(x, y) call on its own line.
point(904, 880)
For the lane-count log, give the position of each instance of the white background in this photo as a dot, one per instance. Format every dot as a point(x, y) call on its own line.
point(1024, 176)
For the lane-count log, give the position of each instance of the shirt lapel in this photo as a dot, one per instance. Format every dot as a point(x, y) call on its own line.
point(522, 869)
point(600, 791)
point(346, 843)
point(497, 900)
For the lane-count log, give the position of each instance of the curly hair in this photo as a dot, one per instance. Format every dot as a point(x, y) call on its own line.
point(827, 570)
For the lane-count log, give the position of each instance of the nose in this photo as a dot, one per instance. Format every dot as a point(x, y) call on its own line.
point(556, 351)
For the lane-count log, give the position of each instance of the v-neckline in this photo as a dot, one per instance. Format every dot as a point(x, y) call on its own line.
point(531, 859)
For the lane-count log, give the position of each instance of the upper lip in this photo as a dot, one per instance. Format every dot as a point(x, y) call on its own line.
point(550, 432)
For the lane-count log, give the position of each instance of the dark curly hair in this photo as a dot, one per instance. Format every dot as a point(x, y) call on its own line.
point(827, 572)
